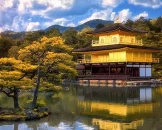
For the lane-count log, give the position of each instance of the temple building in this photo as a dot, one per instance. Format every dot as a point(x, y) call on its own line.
point(117, 55)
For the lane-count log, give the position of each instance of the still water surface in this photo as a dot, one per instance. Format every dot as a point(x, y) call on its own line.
point(94, 108)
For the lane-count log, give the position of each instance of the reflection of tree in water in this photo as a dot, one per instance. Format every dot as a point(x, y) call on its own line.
point(62, 105)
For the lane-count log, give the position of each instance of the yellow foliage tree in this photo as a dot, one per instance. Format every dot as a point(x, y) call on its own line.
point(52, 57)
point(14, 76)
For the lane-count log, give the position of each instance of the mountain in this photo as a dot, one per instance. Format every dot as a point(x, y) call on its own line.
point(13, 35)
point(59, 27)
point(91, 24)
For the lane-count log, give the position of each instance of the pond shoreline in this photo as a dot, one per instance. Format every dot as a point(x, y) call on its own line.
point(20, 114)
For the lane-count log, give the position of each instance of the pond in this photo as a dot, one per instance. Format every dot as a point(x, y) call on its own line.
point(94, 108)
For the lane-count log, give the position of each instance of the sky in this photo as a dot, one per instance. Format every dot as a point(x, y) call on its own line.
point(30, 15)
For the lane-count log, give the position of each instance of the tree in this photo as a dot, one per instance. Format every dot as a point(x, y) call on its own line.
point(13, 76)
point(33, 36)
point(159, 23)
point(53, 33)
point(142, 24)
point(5, 45)
point(129, 23)
point(99, 26)
point(52, 58)
point(155, 40)
point(84, 39)
point(86, 29)
point(13, 52)
point(70, 37)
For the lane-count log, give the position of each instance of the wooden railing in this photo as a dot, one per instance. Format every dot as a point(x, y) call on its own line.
point(155, 60)
point(98, 43)
point(83, 61)
point(103, 76)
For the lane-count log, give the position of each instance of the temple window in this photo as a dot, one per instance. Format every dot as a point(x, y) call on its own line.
point(121, 39)
point(114, 40)
point(102, 40)
point(132, 40)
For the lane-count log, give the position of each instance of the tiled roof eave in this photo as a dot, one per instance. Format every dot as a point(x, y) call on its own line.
point(117, 30)
point(113, 47)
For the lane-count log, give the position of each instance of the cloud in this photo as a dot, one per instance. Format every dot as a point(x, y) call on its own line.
point(61, 4)
point(112, 16)
point(97, 15)
point(147, 3)
point(32, 26)
point(111, 3)
point(60, 21)
point(1, 29)
point(22, 15)
point(71, 24)
point(144, 14)
point(24, 5)
point(5, 4)
point(19, 24)
point(124, 15)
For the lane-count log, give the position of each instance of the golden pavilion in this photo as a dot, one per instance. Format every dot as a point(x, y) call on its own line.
point(117, 55)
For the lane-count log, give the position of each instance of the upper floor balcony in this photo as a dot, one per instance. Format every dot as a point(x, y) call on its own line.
point(101, 43)
point(85, 61)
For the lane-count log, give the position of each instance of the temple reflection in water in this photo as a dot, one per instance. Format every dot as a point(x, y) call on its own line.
point(115, 108)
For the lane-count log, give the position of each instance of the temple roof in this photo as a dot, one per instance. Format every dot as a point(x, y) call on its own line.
point(115, 27)
point(114, 46)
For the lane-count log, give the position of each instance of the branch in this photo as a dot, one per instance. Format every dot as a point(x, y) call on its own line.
point(7, 93)
point(23, 76)
point(40, 56)
point(33, 74)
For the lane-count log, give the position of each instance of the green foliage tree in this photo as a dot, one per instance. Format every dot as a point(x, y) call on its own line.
point(54, 32)
point(52, 58)
point(33, 36)
point(155, 40)
point(129, 23)
point(152, 39)
point(100, 26)
point(142, 24)
point(14, 76)
point(13, 51)
point(70, 37)
point(86, 30)
point(159, 23)
point(5, 45)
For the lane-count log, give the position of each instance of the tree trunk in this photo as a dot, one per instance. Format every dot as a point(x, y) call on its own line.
point(37, 86)
point(16, 98)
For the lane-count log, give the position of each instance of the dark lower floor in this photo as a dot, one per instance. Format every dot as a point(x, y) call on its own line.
point(115, 71)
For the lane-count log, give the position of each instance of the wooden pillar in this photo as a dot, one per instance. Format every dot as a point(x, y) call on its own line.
point(125, 69)
point(91, 69)
point(109, 69)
